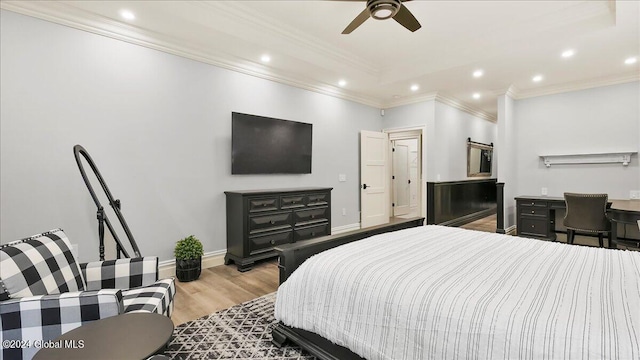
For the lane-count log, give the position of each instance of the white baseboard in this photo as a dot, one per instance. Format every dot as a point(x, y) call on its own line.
point(167, 268)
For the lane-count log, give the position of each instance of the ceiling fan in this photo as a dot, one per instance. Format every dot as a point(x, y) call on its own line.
point(382, 10)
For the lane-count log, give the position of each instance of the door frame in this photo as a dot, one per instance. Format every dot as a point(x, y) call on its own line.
point(405, 134)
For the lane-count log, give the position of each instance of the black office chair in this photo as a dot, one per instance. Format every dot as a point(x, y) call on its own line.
point(587, 213)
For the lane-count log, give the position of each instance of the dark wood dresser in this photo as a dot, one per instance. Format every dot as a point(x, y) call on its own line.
point(259, 220)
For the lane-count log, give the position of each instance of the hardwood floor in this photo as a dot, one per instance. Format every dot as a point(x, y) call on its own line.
point(488, 224)
point(223, 286)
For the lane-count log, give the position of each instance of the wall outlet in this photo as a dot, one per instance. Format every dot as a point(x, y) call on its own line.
point(344, 211)
point(342, 177)
point(634, 194)
point(544, 191)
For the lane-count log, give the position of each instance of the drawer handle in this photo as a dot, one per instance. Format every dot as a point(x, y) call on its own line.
point(533, 211)
point(312, 216)
point(533, 204)
point(313, 234)
point(273, 242)
point(272, 222)
point(532, 226)
point(265, 204)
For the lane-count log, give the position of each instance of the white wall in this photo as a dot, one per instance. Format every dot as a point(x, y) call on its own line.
point(158, 127)
point(595, 120)
point(419, 115)
point(453, 127)
point(445, 143)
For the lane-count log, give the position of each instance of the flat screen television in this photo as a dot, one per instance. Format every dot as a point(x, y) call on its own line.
point(263, 145)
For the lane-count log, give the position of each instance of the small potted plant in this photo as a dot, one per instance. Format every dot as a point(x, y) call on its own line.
point(188, 254)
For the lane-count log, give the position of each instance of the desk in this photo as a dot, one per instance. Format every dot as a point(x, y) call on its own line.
point(623, 212)
point(127, 336)
point(536, 216)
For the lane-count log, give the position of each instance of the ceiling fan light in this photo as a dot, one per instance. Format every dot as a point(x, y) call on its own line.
point(382, 13)
point(383, 9)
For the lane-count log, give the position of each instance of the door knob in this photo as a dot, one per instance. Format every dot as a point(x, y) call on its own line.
point(364, 186)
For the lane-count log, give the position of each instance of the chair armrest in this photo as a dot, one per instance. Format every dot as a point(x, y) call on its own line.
point(120, 274)
point(34, 319)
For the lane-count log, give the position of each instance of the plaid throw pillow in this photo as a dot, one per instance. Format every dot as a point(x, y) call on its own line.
point(40, 265)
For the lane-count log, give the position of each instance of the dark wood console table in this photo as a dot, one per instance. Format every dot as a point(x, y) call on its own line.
point(536, 216)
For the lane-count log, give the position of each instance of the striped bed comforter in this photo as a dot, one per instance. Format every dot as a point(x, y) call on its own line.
point(446, 293)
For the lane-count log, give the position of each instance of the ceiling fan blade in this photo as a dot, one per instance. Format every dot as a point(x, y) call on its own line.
point(405, 18)
point(364, 15)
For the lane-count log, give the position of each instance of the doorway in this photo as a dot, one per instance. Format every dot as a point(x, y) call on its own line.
point(391, 181)
point(406, 172)
point(404, 178)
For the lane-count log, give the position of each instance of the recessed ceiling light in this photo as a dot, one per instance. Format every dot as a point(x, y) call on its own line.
point(342, 83)
point(568, 53)
point(476, 95)
point(537, 78)
point(415, 87)
point(631, 60)
point(127, 15)
point(265, 58)
point(478, 73)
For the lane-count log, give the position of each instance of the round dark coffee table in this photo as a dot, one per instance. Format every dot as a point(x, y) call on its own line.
point(127, 336)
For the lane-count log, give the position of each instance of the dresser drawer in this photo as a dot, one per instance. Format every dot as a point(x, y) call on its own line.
point(271, 222)
point(533, 211)
point(535, 203)
point(318, 199)
point(317, 214)
point(264, 243)
point(263, 204)
point(533, 227)
point(310, 232)
point(291, 201)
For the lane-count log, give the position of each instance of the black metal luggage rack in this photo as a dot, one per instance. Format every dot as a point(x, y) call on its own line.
point(101, 215)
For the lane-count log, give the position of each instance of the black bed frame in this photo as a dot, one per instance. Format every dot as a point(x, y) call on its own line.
point(293, 255)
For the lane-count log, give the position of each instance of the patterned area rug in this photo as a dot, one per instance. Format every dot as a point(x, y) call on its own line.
point(239, 332)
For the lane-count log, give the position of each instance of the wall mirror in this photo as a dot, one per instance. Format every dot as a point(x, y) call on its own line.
point(479, 157)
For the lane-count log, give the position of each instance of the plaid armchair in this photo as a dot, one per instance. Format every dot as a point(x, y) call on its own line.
point(44, 292)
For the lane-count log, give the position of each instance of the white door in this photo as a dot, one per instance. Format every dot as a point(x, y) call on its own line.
point(374, 176)
point(401, 178)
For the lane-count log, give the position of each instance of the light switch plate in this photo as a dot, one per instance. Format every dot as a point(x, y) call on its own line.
point(544, 191)
point(342, 177)
point(634, 194)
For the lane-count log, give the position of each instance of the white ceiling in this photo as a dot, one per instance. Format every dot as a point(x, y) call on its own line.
point(510, 40)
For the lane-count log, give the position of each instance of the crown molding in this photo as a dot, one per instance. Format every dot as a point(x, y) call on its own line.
point(447, 100)
point(576, 86)
point(511, 91)
point(410, 100)
point(460, 105)
point(63, 14)
point(71, 16)
point(249, 17)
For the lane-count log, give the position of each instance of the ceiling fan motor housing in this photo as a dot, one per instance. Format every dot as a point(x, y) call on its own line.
point(383, 9)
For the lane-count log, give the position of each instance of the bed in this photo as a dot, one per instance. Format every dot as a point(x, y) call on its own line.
point(436, 292)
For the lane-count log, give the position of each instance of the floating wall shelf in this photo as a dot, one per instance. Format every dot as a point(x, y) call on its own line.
point(611, 157)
